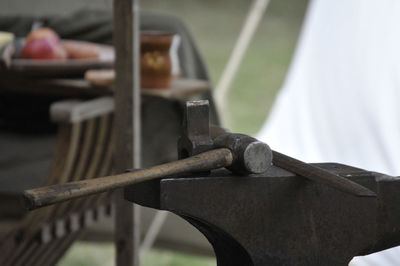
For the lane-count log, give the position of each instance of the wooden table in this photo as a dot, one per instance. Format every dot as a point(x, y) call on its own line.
point(180, 89)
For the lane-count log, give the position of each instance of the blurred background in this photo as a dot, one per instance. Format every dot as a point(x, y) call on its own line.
point(215, 26)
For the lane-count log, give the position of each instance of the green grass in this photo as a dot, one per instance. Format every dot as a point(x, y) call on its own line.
point(167, 258)
point(215, 25)
point(103, 254)
point(88, 253)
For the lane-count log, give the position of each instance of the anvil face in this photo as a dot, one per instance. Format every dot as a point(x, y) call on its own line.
point(277, 218)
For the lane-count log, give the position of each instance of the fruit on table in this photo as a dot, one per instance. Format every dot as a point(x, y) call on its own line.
point(43, 33)
point(43, 44)
point(81, 50)
point(43, 49)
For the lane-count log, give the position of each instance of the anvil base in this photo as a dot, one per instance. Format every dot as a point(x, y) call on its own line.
point(277, 218)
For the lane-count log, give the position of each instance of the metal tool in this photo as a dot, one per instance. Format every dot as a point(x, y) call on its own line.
point(298, 167)
point(244, 155)
point(240, 153)
point(279, 218)
point(272, 217)
point(250, 156)
point(196, 138)
point(320, 175)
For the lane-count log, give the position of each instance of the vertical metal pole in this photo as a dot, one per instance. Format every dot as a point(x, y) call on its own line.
point(127, 124)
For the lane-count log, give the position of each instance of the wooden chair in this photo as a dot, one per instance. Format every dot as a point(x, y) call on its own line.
point(84, 146)
point(83, 150)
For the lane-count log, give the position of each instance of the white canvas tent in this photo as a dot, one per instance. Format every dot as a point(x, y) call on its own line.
point(340, 100)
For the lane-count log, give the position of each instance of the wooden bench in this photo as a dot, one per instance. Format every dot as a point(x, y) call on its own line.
point(83, 150)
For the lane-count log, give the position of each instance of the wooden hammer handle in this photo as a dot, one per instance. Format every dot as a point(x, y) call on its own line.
point(40, 197)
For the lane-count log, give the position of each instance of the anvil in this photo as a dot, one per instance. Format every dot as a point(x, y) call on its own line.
point(278, 218)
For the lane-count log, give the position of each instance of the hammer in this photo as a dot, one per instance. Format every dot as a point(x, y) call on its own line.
point(196, 138)
point(198, 152)
point(242, 154)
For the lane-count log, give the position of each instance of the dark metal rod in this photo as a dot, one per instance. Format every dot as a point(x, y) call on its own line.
point(309, 171)
point(40, 197)
point(320, 175)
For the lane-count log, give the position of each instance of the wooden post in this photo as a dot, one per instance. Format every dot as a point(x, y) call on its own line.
point(127, 124)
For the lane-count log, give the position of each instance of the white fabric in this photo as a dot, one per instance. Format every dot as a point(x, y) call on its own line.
point(340, 101)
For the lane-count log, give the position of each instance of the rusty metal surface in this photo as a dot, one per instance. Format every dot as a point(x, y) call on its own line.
point(278, 218)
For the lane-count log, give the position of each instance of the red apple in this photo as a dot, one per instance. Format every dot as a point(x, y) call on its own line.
point(43, 49)
point(43, 33)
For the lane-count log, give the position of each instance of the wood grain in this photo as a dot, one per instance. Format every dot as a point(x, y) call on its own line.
point(127, 124)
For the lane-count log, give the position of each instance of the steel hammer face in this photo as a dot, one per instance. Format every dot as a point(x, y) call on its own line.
point(250, 156)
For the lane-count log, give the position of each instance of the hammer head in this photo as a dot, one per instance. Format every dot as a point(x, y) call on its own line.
point(250, 156)
point(195, 137)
